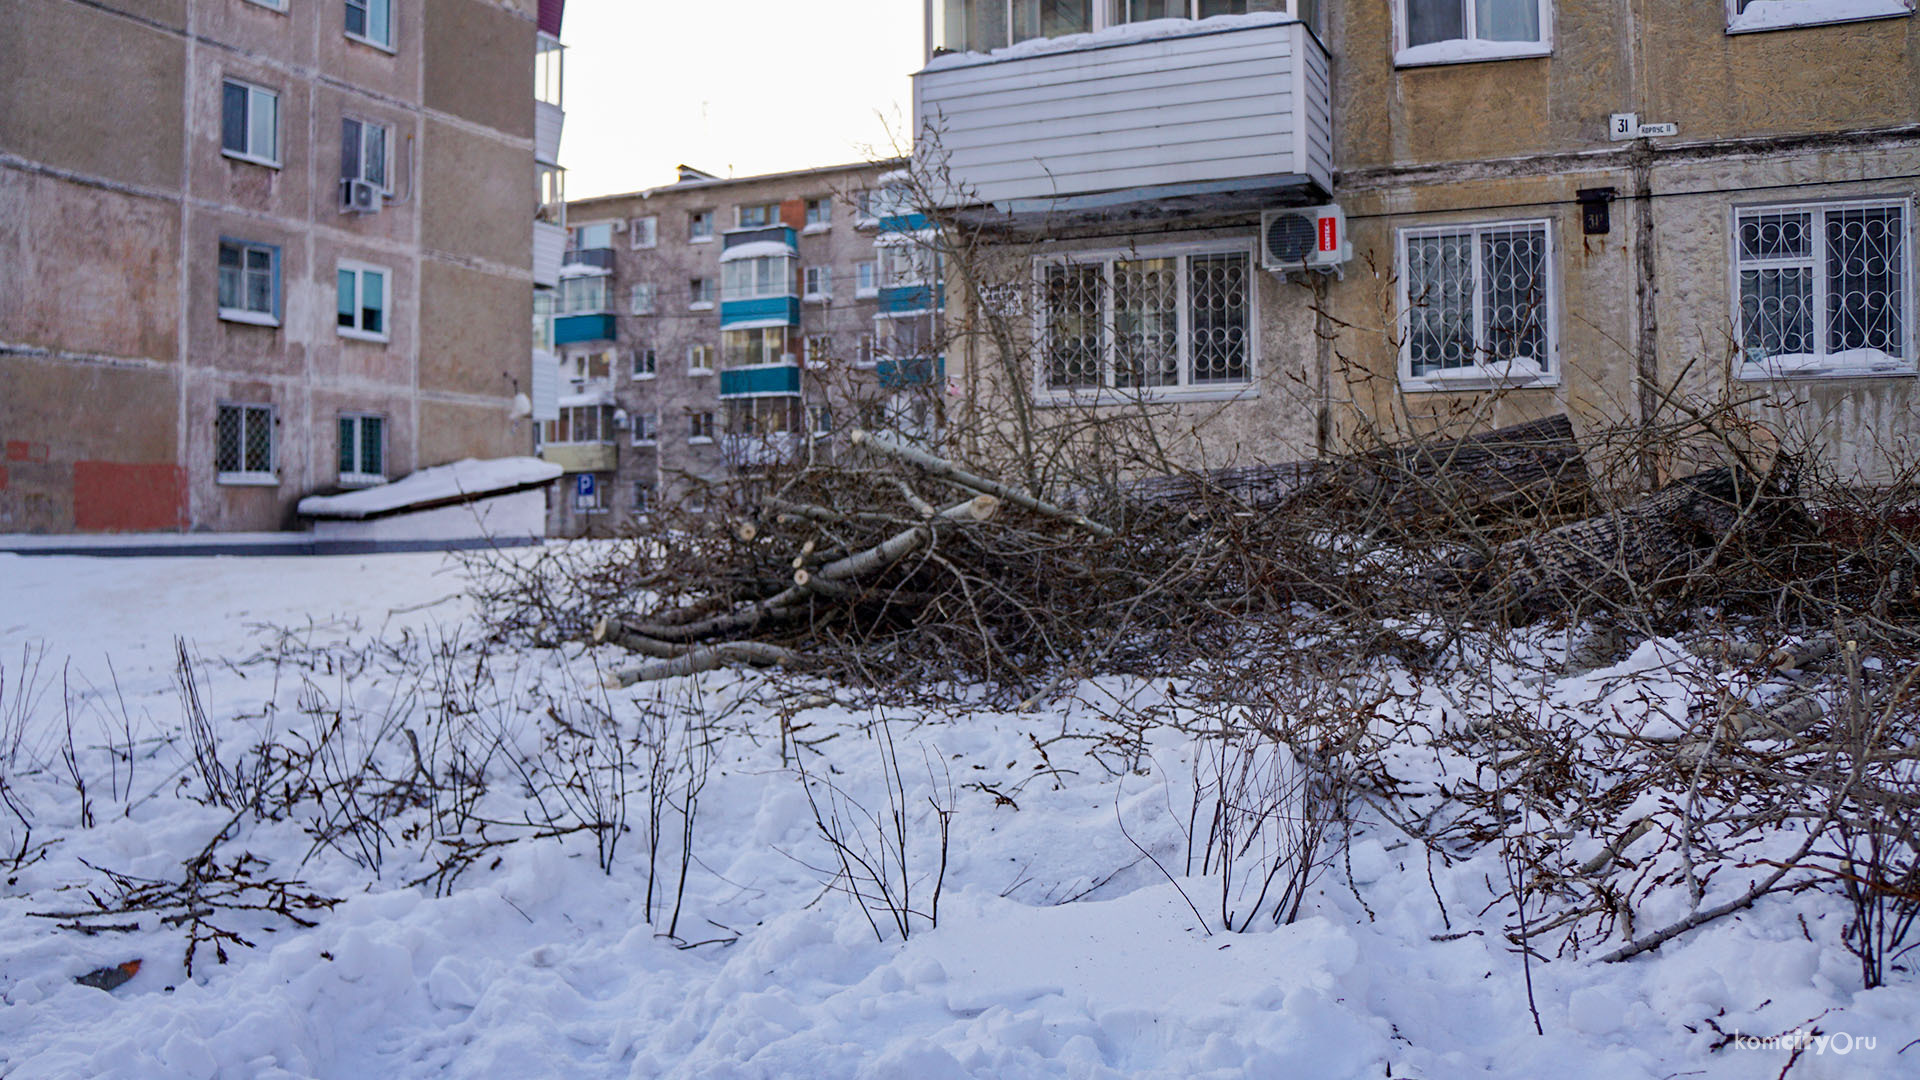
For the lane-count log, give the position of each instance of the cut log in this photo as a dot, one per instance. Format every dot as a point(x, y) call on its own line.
point(947, 470)
point(1654, 546)
point(705, 658)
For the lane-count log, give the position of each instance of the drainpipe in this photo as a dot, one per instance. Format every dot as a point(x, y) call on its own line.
point(1646, 293)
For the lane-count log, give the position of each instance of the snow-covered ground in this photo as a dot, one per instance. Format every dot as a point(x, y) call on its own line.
point(1071, 941)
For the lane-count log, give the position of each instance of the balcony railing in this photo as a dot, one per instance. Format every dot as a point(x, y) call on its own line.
point(598, 258)
point(1203, 111)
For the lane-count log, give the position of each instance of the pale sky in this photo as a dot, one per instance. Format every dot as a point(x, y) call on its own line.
point(735, 87)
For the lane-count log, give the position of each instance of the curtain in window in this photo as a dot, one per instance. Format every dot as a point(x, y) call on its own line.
point(1074, 335)
point(1146, 322)
point(1429, 21)
point(1507, 20)
point(1217, 296)
point(1865, 292)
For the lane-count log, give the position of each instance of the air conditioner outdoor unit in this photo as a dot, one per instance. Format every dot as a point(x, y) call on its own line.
point(1309, 238)
point(360, 197)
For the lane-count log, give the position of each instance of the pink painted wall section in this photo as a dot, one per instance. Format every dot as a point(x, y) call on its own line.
point(112, 497)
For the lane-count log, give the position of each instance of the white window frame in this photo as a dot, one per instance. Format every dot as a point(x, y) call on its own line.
point(641, 300)
point(271, 5)
point(359, 270)
point(869, 269)
point(567, 303)
point(359, 477)
point(643, 232)
point(772, 213)
point(244, 477)
point(1467, 50)
point(385, 133)
point(820, 421)
point(695, 220)
point(393, 17)
point(699, 360)
point(696, 301)
point(643, 496)
point(817, 283)
point(1769, 368)
point(1478, 376)
point(822, 220)
point(270, 317)
point(1106, 392)
point(1764, 15)
point(646, 364)
point(255, 93)
point(646, 429)
point(1105, 14)
point(757, 278)
point(701, 423)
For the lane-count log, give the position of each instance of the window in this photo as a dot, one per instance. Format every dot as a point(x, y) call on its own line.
point(699, 359)
point(595, 237)
point(1825, 289)
point(907, 264)
point(250, 123)
point(646, 429)
point(580, 424)
point(745, 348)
point(645, 364)
point(863, 353)
point(1479, 305)
point(864, 279)
point(250, 282)
point(642, 302)
point(763, 416)
point(1744, 16)
point(755, 278)
point(277, 5)
point(583, 295)
point(243, 444)
point(819, 282)
point(642, 498)
point(819, 349)
point(984, 25)
point(700, 427)
point(819, 214)
point(820, 420)
point(700, 292)
point(757, 216)
point(371, 21)
point(700, 226)
point(1450, 31)
point(363, 449)
point(363, 152)
point(1151, 322)
point(643, 232)
point(361, 292)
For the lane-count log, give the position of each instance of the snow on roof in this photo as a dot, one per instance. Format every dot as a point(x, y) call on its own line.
point(1124, 34)
point(458, 482)
point(758, 249)
point(599, 395)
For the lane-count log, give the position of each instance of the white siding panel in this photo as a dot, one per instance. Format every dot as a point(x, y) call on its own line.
point(547, 120)
point(1209, 106)
point(549, 247)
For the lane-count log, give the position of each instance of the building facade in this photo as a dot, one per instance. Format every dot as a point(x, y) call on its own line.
point(712, 328)
point(1598, 207)
point(252, 250)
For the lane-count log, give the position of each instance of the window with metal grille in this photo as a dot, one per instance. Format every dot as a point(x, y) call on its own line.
point(363, 448)
point(1825, 289)
point(371, 21)
point(1479, 304)
point(243, 444)
point(250, 282)
point(361, 301)
point(1166, 322)
point(250, 122)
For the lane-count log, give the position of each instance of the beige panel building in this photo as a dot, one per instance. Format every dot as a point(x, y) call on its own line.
point(713, 327)
point(1590, 206)
point(252, 250)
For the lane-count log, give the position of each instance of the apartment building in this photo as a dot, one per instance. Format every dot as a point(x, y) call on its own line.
point(252, 250)
point(1288, 223)
point(712, 328)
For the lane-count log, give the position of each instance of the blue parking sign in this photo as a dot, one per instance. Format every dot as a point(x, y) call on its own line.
point(586, 489)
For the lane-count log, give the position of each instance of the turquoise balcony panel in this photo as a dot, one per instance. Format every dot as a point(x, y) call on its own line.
point(568, 329)
point(910, 371)
point(909, 298)
point(762, 311)
point(760, 381)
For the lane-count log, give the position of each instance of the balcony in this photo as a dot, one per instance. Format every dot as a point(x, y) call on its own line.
point(547, 121)
point(760, 381)
point(588, 259)
point(549, 245)
point(1203, 118)
point(572, 329)
point(909, 371)
point(776, 449)
point(582, 457)
point(766, 234)
point(911, 299)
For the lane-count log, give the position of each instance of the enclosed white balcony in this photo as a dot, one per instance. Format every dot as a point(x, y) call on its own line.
point(1222, 113)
